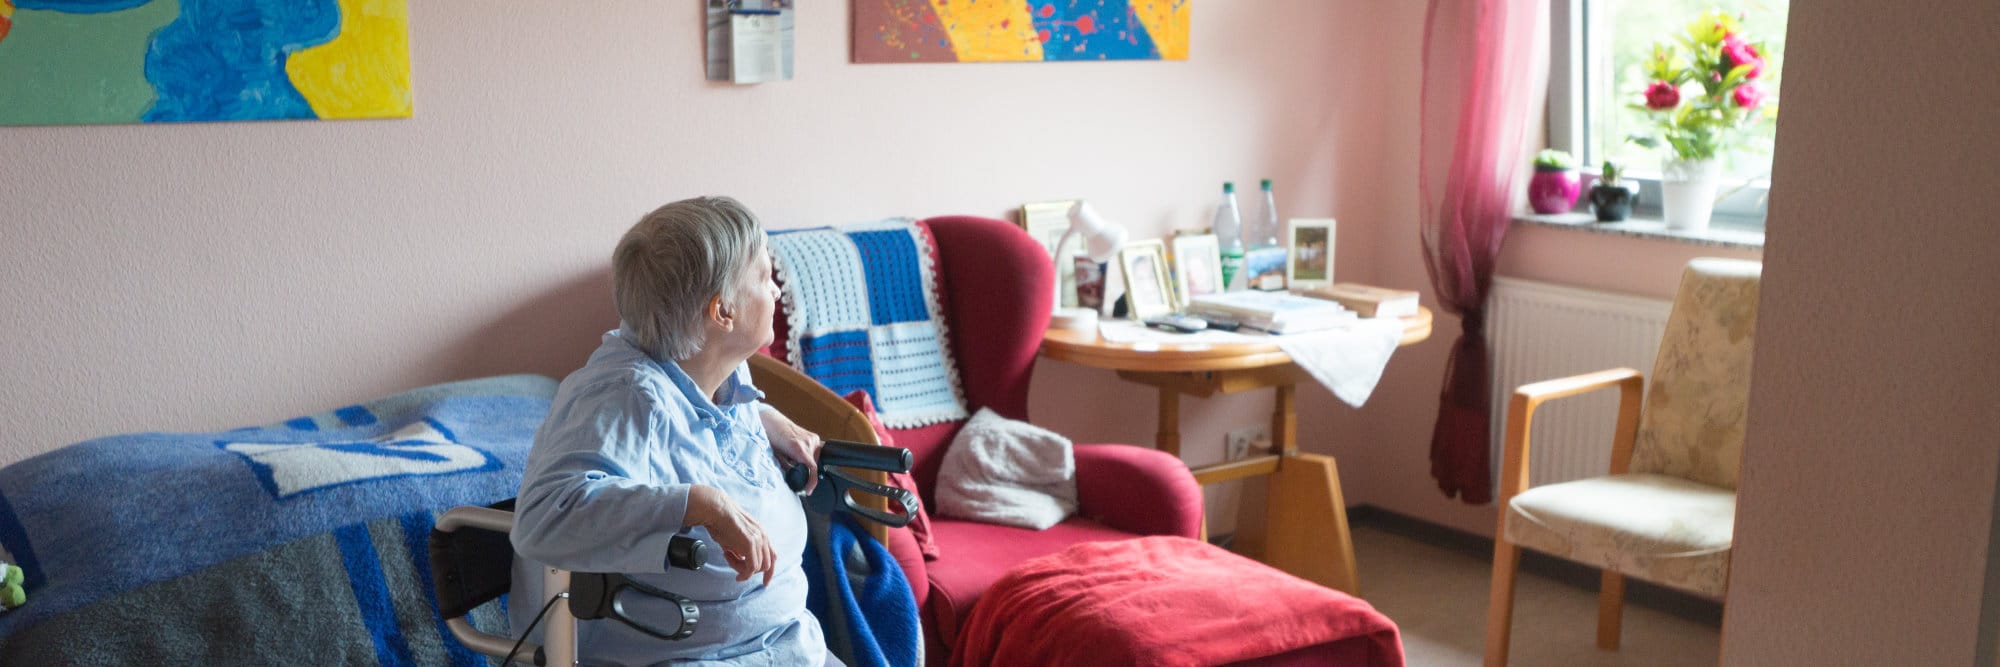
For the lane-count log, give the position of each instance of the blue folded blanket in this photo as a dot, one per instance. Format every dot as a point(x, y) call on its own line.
point(860, 596)
point(307, 533)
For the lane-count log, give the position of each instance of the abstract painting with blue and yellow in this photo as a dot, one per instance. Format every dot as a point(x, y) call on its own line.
point(68, 62)
point(917, 31)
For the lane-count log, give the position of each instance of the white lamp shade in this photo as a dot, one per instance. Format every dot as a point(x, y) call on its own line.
point(1101, 239)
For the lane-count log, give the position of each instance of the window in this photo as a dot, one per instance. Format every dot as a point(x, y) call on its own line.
point(1597, 71)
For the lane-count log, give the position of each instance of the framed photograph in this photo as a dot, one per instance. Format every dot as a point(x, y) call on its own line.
point(1312, 253)
point(1089, 278)
point(1144, 266)
point(1264, 268)
point(1197, 266)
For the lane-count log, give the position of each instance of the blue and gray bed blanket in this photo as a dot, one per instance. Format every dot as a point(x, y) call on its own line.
point(305, 542)
point(299, 542)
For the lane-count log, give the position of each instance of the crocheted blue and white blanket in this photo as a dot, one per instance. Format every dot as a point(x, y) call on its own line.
point(861, 303)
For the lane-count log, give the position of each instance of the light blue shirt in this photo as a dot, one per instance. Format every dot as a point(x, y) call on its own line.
point(606, 488)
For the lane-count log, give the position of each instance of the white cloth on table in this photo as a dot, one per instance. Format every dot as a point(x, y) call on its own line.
point(1349, 359)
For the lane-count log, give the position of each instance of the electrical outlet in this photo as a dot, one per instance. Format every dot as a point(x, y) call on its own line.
point(1240, 442)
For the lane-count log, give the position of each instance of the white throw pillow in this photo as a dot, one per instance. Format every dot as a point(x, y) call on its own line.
point(998, 470)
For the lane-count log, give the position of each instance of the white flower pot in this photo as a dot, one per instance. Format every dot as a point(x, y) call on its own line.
point(1687, 192)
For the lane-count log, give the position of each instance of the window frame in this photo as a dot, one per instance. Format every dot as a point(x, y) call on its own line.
point(1572, 80)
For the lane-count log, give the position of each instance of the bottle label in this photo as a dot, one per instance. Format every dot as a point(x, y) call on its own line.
point(1232, 266)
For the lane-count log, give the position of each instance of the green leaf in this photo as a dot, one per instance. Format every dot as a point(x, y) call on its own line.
point(1643, 140)
point(1736, 75)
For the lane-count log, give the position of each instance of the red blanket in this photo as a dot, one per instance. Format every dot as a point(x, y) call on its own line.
point(1161, 601)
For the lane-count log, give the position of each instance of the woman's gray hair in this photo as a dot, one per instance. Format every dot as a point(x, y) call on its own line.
point(668, 266)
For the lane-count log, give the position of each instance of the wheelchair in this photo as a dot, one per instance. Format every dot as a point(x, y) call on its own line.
point(472, 560)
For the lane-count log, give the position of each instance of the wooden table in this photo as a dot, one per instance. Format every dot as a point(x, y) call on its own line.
point(1306, 518)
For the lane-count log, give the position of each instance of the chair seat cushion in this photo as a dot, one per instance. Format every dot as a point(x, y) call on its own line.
point(973, 555)
point(1661, 529)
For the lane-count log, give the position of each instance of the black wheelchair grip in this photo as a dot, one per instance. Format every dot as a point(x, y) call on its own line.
point(685, 552)
point(867, 457)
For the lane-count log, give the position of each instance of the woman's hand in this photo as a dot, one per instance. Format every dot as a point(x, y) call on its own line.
point(742, 539)
point(793, 444)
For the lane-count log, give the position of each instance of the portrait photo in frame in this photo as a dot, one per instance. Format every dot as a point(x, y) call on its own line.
point(1144, 267)
point(1197, 266)
point(1311, 262)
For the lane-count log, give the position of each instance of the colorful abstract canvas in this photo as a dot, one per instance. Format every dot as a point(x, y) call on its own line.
point(917, 31)
point(65, 62)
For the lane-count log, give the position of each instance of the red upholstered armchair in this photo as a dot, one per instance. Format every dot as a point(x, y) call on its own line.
point(996, 285)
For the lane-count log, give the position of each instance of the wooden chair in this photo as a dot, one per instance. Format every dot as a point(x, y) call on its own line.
point(1666, 512)
point(814, 407)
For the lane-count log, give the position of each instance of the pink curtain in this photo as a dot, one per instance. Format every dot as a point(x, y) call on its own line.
point(1484, 61)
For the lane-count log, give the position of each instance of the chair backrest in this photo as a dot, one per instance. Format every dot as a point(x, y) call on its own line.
point(1692, 427)
point(996, 289)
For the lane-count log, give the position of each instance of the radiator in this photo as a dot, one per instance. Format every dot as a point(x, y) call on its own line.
point(1539, 331)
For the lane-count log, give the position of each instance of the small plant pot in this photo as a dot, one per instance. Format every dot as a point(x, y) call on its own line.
point(1613, 202)
point(1553, 189)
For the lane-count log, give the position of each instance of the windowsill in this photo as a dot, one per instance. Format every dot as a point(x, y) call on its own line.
point(1720, 233)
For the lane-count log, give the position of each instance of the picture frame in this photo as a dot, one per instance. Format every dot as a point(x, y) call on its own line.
point(1312, 244)
point(1089, 277)
point(1264, 268)
point(1197, 266)
point(1143, 264)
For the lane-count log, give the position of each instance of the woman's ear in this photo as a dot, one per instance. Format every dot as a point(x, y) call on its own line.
point(720, 314)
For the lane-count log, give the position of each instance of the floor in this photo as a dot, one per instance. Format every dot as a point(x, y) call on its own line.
point(1436, 588)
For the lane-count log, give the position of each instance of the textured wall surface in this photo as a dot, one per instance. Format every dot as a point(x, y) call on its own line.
point(1869, 460)
point(214, 275)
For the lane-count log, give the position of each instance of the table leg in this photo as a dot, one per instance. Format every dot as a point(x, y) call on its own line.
point(1169, 437)
point(1308, 534)
point(1285, 422)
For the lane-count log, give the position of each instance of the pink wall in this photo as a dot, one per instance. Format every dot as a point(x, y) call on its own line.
point(196, 277)
point(1863, 519)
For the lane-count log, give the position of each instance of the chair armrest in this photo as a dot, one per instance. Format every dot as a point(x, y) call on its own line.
point(1521, 411)
point(815, 408)
point(1138, 490)
point(808, 403)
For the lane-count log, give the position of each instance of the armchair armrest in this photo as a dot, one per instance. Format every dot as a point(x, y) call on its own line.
point(1137, 490)
point(1521, 411)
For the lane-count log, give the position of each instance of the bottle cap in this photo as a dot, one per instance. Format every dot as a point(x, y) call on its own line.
point(1228, 187)
point(1267, 184)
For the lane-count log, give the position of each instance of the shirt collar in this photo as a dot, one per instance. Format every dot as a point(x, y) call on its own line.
point(735, 390)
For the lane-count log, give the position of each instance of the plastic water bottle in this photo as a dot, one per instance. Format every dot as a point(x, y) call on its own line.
point(1263, 259)
point(1229, 236)
point(1267, 235)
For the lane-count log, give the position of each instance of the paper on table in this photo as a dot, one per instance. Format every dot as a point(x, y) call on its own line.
point(1127, 331)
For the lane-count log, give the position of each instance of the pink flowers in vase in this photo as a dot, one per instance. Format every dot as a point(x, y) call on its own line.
point(1700, 98)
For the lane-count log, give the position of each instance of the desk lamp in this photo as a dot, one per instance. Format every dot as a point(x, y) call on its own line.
point(1101, 240)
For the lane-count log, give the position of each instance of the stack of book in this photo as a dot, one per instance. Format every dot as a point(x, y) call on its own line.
point(1276, 312)
point(1368, 300)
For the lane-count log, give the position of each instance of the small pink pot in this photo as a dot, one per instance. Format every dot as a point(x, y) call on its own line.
point(1554, 189)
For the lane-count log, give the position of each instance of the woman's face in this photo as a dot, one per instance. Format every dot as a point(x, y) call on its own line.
point(759, 303)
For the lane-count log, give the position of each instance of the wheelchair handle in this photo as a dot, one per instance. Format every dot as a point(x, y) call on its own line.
point(845, 454)
point(832, 493)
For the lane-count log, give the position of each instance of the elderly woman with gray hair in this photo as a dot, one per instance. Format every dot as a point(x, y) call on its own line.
point(661, 434)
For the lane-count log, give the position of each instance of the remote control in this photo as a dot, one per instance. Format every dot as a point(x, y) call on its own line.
point(1220, 324)
point(1177, 323)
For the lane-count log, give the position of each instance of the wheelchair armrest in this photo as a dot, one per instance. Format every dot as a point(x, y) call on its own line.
point(472, 563)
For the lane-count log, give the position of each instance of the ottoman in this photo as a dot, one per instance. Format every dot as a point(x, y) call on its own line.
point(1168, 601)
